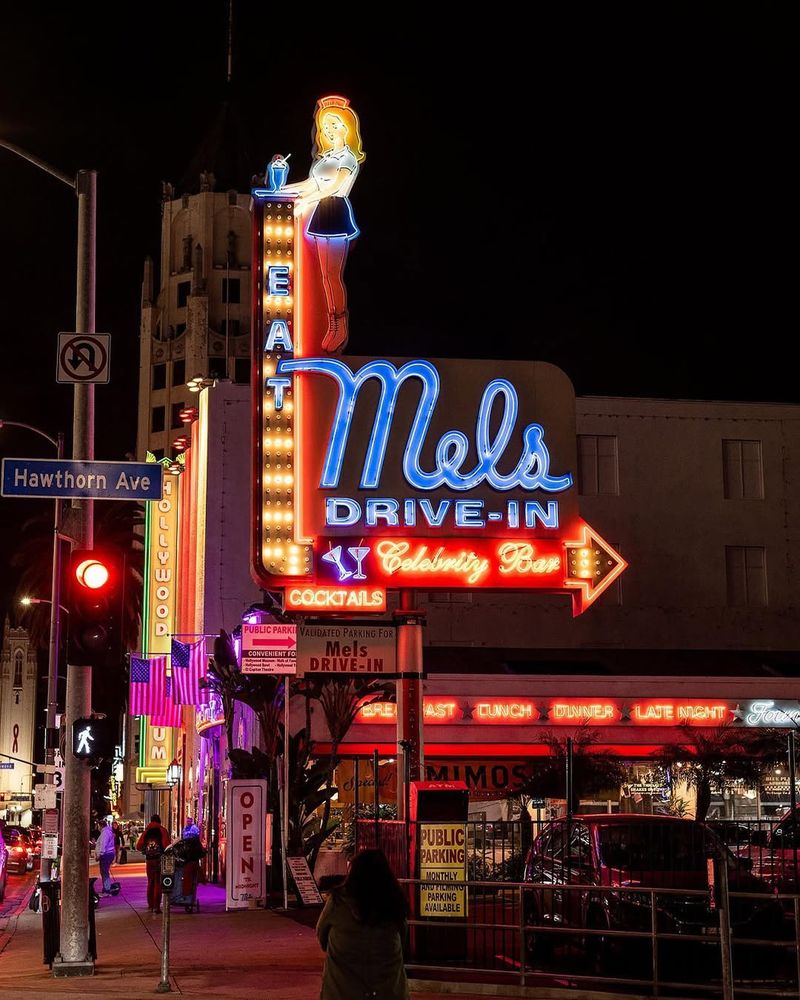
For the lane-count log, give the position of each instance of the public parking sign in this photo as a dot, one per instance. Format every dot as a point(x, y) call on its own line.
point(83, 358)
point(269, 649)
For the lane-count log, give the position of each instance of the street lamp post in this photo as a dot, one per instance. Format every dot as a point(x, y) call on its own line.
point(74, 958)
point(51, 732)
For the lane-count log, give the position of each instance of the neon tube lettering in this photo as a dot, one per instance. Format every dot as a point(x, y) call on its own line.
point(531, 472)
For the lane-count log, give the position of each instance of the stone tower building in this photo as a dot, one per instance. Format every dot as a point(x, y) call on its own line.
point(196, 311)
point(17, 724)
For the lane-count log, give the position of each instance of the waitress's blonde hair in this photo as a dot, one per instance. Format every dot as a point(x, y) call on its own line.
point(340, 108)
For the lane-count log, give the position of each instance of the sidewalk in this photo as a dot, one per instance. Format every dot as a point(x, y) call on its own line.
point(248, 954)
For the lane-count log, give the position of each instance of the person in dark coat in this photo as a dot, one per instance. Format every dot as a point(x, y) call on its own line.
point(152, 843)
point(361, 931)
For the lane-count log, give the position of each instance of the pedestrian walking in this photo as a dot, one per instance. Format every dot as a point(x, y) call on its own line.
point(105, 852)
point(152, 843)
point(191, 829)
point(190, 870)
point(361, 930)
point(121, 854)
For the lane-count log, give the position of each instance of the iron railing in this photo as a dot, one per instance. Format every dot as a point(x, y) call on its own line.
point(506, 936)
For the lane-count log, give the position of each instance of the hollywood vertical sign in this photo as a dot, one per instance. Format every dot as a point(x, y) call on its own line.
point(156, 743)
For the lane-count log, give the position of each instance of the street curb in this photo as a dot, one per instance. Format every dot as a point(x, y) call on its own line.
point(11, 926)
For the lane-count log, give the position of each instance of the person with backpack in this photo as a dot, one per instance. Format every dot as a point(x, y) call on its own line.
point(153, 842)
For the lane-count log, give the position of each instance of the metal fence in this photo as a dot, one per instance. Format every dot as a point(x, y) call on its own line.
point(509, 935)
point(651, 917)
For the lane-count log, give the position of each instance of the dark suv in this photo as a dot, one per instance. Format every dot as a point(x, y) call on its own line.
point(625, 851)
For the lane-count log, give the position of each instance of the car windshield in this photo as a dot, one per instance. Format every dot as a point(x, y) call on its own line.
point(678, 847)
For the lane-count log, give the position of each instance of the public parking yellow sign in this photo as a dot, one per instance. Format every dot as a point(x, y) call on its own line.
point(443, 870)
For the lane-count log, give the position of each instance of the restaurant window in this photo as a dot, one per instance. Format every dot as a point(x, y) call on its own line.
point(184, 288)
point(159, 376)
point(597, 464)
point(746, 567)
point(157, 419)
point(742, 473)
point(179, 372)
point(231, 290)
point(175, 412)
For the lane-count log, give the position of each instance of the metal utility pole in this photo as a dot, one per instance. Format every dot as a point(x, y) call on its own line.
point(410, 738)
point(74, 958)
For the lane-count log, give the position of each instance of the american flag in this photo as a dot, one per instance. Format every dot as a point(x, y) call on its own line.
point(188, 669)
point(148, 685)
point(169, 714)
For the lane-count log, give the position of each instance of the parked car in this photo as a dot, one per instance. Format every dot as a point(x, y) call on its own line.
point(775, 857)
point(20, 850)
point(3, 865)
point(625, 851)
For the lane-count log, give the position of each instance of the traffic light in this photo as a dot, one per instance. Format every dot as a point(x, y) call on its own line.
point(95, 607)
point(93, 739)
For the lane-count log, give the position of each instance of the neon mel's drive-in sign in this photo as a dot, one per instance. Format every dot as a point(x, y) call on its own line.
point(376, 473)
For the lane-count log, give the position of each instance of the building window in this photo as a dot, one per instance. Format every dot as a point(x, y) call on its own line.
point(216, 368)
point(242, 371)
point(179, 372)
point(597, 464)
point(746, 567)
point(184, 288)
point(450, 597)
point(157, 419)
point(742, 472)
point(233, 329)
point(18, 669)
point(159, 376)
point(180, 329)
point(175, 414)
point(157, 453)
point(231, 290)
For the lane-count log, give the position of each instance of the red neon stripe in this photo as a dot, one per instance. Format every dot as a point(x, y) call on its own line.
point(473, 750)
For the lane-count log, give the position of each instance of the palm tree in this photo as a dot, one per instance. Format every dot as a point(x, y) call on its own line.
point(593, 770)
point(340, 699)
point(707, 757)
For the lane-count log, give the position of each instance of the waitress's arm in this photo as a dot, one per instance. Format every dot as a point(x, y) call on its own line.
point(301, 187)
point(306, 200)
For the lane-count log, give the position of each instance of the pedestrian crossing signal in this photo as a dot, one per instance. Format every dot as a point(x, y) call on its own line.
point(92, 740)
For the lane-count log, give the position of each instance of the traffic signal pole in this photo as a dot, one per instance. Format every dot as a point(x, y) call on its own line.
point(74, 958)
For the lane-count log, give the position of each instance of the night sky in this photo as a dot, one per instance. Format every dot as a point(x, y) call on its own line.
point(611, 195)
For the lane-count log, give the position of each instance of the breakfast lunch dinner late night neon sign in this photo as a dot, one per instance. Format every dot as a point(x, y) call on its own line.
point(375, 473)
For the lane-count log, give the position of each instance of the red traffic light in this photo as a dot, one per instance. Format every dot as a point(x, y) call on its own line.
point(92, 573)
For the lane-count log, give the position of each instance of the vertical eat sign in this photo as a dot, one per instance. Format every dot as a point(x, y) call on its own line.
point(245, 861)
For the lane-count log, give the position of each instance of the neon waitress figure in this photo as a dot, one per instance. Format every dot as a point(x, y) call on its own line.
point(337, 154)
